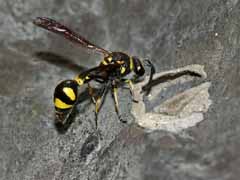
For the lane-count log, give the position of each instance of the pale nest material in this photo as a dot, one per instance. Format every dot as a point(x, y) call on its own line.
point(179, 112)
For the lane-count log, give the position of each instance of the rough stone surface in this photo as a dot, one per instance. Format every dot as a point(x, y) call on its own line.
point(171, 33)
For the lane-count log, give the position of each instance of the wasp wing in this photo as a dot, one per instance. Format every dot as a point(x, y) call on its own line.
point(99, 73)
point(58, 28)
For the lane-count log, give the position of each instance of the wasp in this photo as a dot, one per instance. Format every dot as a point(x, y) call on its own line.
point(113, 70)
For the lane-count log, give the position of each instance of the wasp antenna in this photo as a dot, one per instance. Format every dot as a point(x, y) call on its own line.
point(147, 62)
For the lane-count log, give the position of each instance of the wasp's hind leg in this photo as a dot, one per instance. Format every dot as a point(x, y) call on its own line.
point(91, 93)
point(99, 101)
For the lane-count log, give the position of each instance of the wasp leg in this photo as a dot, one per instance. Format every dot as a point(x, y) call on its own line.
point(130, 85)
point(63, 117)
point(99, 101)
point(91, 93)
point(63, 120)
point(115, 97)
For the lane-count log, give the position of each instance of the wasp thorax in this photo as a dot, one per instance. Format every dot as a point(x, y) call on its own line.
point(119, 56)
point(65, 94)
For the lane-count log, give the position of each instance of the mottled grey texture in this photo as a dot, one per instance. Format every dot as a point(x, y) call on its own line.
point(173, 34)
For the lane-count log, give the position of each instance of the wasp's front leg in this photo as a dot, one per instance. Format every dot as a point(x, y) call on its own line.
point(115, 97)
point(131, 89)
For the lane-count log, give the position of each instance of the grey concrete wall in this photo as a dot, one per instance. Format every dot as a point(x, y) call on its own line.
point(173, 34)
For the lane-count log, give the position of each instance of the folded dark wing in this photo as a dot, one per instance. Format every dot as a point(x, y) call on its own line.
point(58, 28)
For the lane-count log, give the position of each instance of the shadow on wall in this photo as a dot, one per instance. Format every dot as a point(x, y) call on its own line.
point(58, 60)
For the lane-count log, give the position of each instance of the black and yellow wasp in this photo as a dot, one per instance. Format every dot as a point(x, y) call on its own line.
point(111, 72)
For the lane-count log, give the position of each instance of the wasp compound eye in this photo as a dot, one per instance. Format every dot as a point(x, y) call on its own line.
point(137, 66)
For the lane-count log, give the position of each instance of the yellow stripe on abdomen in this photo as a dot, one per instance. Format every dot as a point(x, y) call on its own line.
point(69, 93)
point(61, 105)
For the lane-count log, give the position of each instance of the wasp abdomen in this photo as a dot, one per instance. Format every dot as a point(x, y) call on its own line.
point(65, 95)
